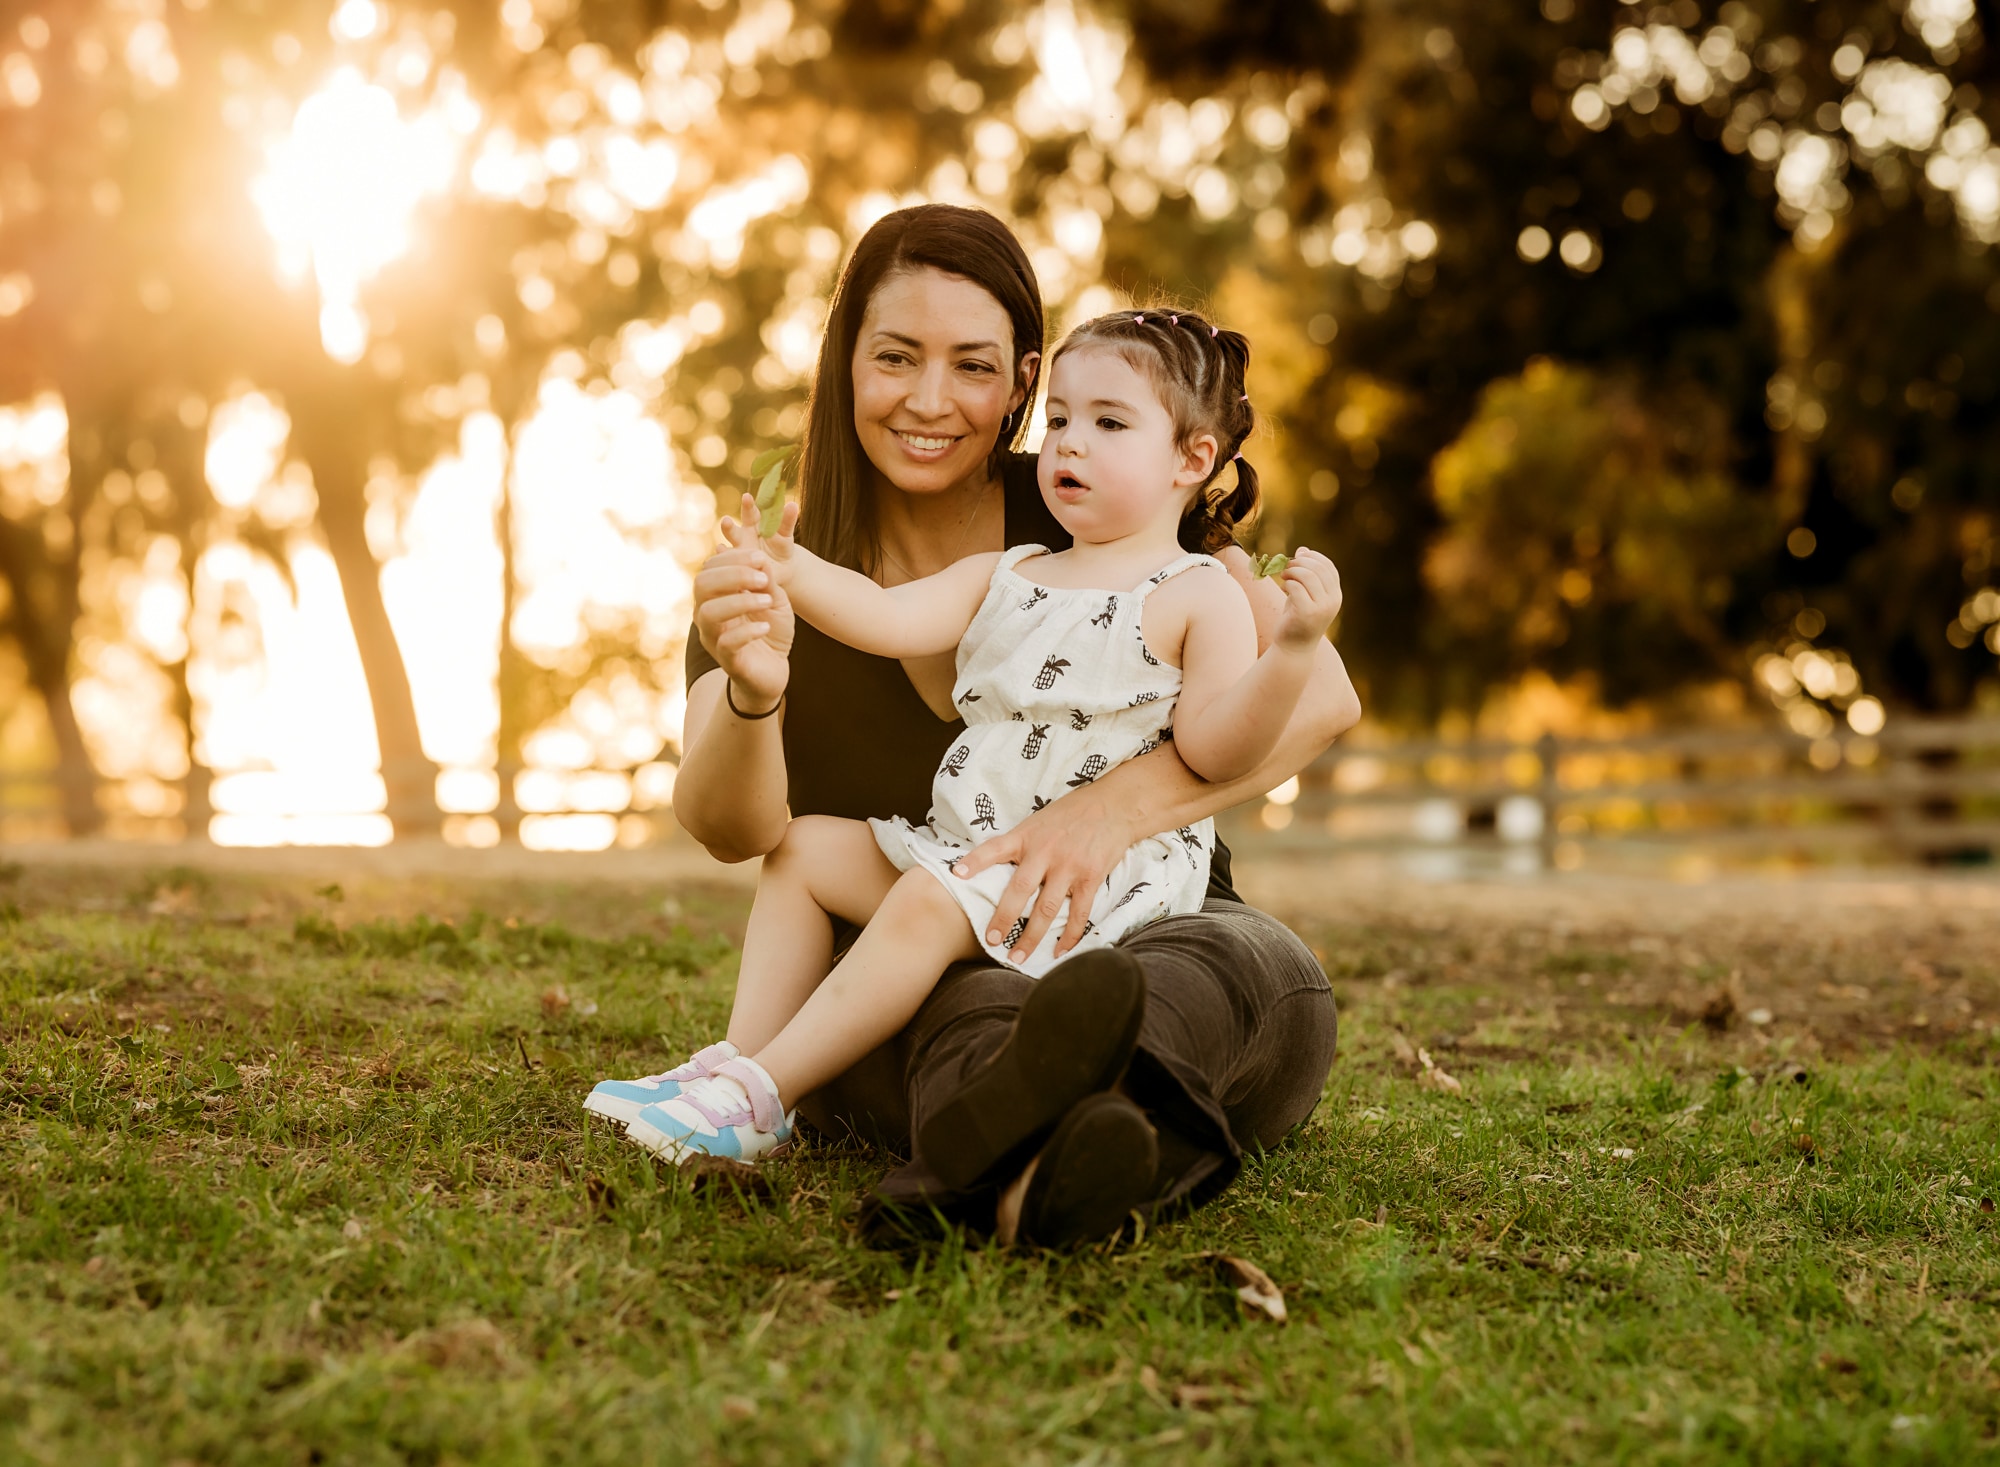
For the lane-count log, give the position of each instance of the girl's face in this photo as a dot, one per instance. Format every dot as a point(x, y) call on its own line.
point(1109, 466)
point(934, 379)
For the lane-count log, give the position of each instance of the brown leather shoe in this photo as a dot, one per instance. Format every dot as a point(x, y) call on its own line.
point(1075, 1034)
point(1098, 1166)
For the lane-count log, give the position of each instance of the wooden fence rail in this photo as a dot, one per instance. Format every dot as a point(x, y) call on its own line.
point(1919, 788)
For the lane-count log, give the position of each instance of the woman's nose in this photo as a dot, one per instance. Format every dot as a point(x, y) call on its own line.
point(928, 396)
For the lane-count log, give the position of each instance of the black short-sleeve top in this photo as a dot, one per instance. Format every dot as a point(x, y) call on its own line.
point(859, 741)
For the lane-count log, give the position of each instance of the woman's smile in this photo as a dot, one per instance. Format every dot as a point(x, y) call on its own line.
point(927, 447)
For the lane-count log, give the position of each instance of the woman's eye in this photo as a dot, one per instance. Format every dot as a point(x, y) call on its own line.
point(976, 366)
point(893, 359)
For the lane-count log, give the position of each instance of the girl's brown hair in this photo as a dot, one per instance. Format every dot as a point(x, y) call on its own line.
point(836, 508)
point(1198, 369)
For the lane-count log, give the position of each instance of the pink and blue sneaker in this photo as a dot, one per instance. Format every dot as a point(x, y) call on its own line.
point(622, 1100)
point(733, 1113)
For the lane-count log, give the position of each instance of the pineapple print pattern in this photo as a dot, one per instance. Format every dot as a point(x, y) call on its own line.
point(1071, 667)
point(1091, 768)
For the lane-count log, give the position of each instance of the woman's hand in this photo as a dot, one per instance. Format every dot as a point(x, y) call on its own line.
point(1062, 852)
point(744, 618)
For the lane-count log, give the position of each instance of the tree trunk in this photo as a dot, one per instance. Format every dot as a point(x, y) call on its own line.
point(329, 431)
point(513, 670)
point(43, 619)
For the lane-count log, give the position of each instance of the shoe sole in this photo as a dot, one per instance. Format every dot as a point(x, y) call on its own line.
point(1098, 1166)
point(624, 1112)
point(1075, 1034)
point(671, 1150)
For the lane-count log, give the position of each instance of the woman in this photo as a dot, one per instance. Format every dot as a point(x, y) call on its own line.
point(920, 399)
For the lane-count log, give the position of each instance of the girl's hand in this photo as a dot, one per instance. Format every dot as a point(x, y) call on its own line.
point(743, 617)
point(1062, 851)
point(1312, 600)
point(777, 548)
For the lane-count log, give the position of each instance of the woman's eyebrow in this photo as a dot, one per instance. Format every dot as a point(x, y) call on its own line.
point(912, 341)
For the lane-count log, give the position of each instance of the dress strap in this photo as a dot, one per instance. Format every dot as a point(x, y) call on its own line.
point(1015, 554)
point(1173, 568)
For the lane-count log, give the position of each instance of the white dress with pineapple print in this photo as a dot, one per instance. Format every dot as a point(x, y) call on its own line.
point(1057, 689)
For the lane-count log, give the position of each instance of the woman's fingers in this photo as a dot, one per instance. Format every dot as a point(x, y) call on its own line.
point(790, 519)
point(725, 609)
point(740, 634)
point(1054, 889)
point(995, 851)
point(1082, 894)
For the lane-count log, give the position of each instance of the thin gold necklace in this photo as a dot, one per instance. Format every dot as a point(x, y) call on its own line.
point(963, 535)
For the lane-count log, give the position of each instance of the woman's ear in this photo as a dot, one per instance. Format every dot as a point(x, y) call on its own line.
point(1024, 381)
point(1197, 459)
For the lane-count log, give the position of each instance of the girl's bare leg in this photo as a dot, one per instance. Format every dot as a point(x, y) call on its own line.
point(823, 865)
point(916, 932)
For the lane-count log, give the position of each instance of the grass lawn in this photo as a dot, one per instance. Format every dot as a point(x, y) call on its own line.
point(281, 1185)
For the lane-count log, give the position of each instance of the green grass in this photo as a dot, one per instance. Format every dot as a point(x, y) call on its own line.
point(281, 1186)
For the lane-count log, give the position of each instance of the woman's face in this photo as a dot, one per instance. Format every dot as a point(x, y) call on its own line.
point(934, 379)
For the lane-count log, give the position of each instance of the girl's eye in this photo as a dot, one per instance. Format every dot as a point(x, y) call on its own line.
point(1111, 424)
point(1057, 420)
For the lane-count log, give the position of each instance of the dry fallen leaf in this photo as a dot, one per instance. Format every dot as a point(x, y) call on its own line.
point(1434, 1078)
point(738, 1408)
point(1406, 1052)
point(1255, 1288)
point(555, 1000)
point(354, 1229)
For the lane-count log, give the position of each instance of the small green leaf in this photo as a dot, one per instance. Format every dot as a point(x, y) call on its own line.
point(555, 1059)
point(764, 462)
point(131, 1045)
point(222, 1076)
point(771, 500)
point(180, 1112)
point(1267, 566)
point(332, 892)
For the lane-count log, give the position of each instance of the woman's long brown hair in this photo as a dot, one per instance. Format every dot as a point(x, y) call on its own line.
point(836, 505)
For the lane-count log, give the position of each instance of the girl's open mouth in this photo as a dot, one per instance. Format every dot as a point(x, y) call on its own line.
point(1067, 480)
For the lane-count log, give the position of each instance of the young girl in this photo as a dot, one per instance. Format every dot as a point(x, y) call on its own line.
point(1069, 663)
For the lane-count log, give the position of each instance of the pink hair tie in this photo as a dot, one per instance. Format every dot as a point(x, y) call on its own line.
point(1173, 320)
point(1138, 320)
point(1213, 332)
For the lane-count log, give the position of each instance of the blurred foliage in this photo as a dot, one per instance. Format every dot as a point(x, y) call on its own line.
point(1567, 318)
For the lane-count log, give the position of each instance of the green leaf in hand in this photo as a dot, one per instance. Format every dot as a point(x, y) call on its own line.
point(1269, 566)
point(761, 464)
point(770, 464)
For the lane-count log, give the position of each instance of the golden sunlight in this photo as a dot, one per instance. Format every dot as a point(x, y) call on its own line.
point(343, 183)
